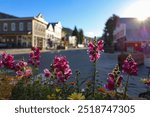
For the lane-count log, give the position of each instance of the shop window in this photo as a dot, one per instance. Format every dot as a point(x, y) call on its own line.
point(13, 27)
point(5, 27)
point(21, 26)
point(29, 26)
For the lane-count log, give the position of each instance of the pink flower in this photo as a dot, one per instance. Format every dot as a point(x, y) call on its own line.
point(60, 74)
point(100, 45)
point(20, 65)
point(22, 69)
point(94, 50)
point(130, 66)
point(4, 55)
point(114, 79)
point(1, 63)
point(61, 68)
point(34, 57)
point(111, 84)
point(67, 71)
point(28, 72)
point(8, 60)
point(19, 73)
point(47, 73)
point(30, 61)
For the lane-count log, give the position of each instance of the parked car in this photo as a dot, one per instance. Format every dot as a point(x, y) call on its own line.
point(60, 47)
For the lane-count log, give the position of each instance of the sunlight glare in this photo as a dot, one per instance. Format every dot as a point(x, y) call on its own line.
point(140, 10)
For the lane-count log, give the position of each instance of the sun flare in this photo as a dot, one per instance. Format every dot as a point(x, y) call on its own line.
point(140, 10)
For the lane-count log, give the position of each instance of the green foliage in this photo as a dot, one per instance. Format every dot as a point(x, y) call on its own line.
point(79, 35)
point(75, 32)
point(30, 91)
point(108, 30)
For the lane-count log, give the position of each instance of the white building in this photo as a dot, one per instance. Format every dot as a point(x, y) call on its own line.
point(72, 40)
point(53, 34)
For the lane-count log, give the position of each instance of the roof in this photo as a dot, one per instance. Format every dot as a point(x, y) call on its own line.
point(48, 25)
point(53, 24)
point(136, 30)
point(5, 16)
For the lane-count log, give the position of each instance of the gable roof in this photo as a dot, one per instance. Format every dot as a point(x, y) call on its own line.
point(53, 24)
point(49, 25)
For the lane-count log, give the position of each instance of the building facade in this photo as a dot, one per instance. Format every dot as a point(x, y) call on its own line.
point(54, 34)
point(132, 35)
point(24, 32)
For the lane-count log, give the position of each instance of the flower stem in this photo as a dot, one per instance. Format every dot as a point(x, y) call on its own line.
point(77, 80)
point(93, 80)
point(116, 93)
point(126, 88)
point(63, 91)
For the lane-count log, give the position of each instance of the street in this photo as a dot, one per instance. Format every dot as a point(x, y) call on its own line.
point(79, 60)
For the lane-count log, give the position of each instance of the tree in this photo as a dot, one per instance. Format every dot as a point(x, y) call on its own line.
point(76, 33)
point(108, 30)
point(81, 36)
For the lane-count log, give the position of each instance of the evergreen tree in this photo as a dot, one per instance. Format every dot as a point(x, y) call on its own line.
point(76, 33)
point(108, 30)
point(81, 36)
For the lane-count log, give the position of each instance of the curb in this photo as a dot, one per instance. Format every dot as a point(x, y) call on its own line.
point(27, 51)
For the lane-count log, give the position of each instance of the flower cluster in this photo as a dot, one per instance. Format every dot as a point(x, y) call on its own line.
point(114, 79)
point(130, 66)
point(61, 68)
point(94, 50)
point(20, 65)
point(22, 69)
point(146, 81)
point(7, 61)
point(47, 73)
point(34, 57)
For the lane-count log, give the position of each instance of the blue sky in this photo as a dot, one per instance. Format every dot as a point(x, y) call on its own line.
point(90, 15)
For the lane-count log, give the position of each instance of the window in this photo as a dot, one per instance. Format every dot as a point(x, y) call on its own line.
point(2, 40)
point(12, 40)
point(29, 26)
point(5, 27)
point(21, 26)
point(13, 26)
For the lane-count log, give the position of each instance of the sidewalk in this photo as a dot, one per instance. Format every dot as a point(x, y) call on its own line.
point(27, 50)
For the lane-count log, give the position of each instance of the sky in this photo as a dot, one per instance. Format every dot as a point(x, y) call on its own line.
point(90, 15)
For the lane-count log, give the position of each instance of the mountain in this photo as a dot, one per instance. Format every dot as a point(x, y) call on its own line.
point(68, 31)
